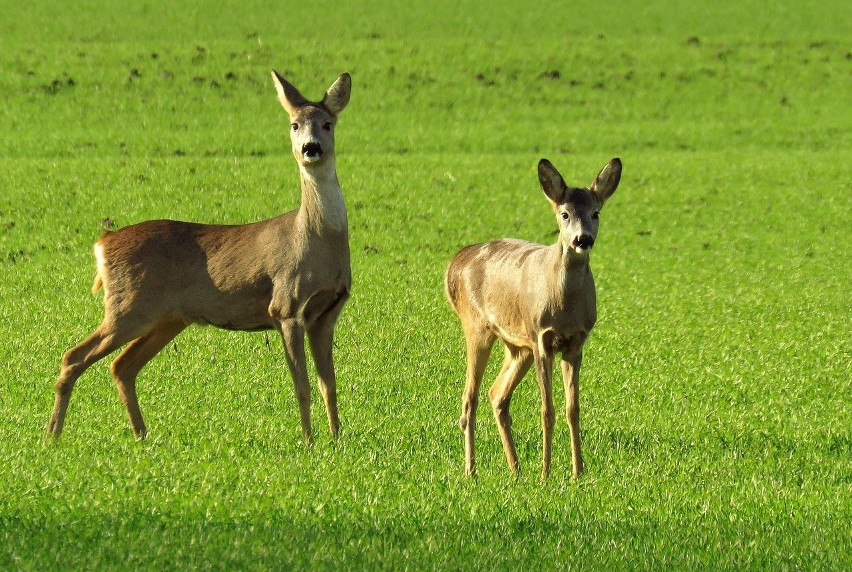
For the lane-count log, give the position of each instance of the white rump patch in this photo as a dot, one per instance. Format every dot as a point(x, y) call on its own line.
point(100, 261)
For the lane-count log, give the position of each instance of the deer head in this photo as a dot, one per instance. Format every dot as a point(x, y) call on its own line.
point(312, 123)
point(577, 209)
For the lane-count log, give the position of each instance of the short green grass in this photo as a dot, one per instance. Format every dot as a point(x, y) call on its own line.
point(716, 394)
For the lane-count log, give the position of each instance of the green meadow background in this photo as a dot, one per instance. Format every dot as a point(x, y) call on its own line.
point(716, 393)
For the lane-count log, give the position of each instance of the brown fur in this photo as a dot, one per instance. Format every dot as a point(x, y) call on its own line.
point(539, 301)
point(290, 273)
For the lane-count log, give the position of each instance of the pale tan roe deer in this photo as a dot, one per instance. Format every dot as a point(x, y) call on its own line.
point(539, 301)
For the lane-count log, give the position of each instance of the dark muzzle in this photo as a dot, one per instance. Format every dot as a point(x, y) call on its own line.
point(312, 150)
point(584, 242)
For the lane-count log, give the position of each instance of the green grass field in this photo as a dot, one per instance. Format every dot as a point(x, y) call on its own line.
point(716, 392)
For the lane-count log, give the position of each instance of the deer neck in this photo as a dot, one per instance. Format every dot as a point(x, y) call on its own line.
point(323, 210)
point(571, 269)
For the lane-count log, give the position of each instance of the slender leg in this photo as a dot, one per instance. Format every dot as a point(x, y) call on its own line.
point(544, 372)
point(78, 359)
point(129, 362)
point(516, 363)
point(293, 335)
point(321, 338)
point(571, 378)
point(479, 344)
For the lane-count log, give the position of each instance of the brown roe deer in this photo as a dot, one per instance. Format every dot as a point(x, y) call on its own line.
point(290, 273)
point(540, 301)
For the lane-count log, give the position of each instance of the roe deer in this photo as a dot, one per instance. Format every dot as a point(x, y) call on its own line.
point(290, 273)
point(539, 300)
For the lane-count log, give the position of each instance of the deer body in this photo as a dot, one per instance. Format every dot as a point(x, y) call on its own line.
point(511, 305)
point(291, 273)
point(228, 278)
point(539, 301)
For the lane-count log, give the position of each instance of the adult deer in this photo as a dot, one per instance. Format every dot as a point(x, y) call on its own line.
point(539, 300)
point(290, 273)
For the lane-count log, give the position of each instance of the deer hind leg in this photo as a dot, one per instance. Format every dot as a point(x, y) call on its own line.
point(293, 336)
point(479, 344)
point(544, 372)
point(516, 364)
point(321, 338)
point(129, 362)
point(103, 341)
point(571, 378)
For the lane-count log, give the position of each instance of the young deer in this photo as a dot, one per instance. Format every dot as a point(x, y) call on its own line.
point(539, 300)
point(290, 273)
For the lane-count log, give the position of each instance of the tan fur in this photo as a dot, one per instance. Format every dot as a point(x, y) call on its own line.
point(539, 301)
point(290, 273)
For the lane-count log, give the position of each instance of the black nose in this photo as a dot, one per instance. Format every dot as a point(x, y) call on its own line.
point(584, 241)
point(312, 150)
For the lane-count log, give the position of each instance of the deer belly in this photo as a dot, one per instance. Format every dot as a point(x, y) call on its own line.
point(243, 312)
point(242, 323)
point(512, 336)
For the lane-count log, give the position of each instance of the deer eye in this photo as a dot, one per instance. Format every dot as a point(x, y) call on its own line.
point(294, 126)
point(327, 125)
point(565, 215)
point(596, 215)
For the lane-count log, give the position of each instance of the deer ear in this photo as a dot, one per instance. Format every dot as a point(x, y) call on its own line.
point(288, 95)
point(337, 95)
point(551, 181)
point(607, 180)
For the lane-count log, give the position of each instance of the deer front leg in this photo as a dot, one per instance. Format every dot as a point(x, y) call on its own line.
point(571, 379)
point(516, 364)
point(321, 338)
point(293, 336)
point(544, 372)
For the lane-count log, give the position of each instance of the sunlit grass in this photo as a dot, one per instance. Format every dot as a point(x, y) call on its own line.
point(715, 388)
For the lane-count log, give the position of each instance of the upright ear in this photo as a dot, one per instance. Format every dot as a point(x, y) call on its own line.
point(607, 181)
point(337, 95)
point(551, 181)
point(288, 95)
